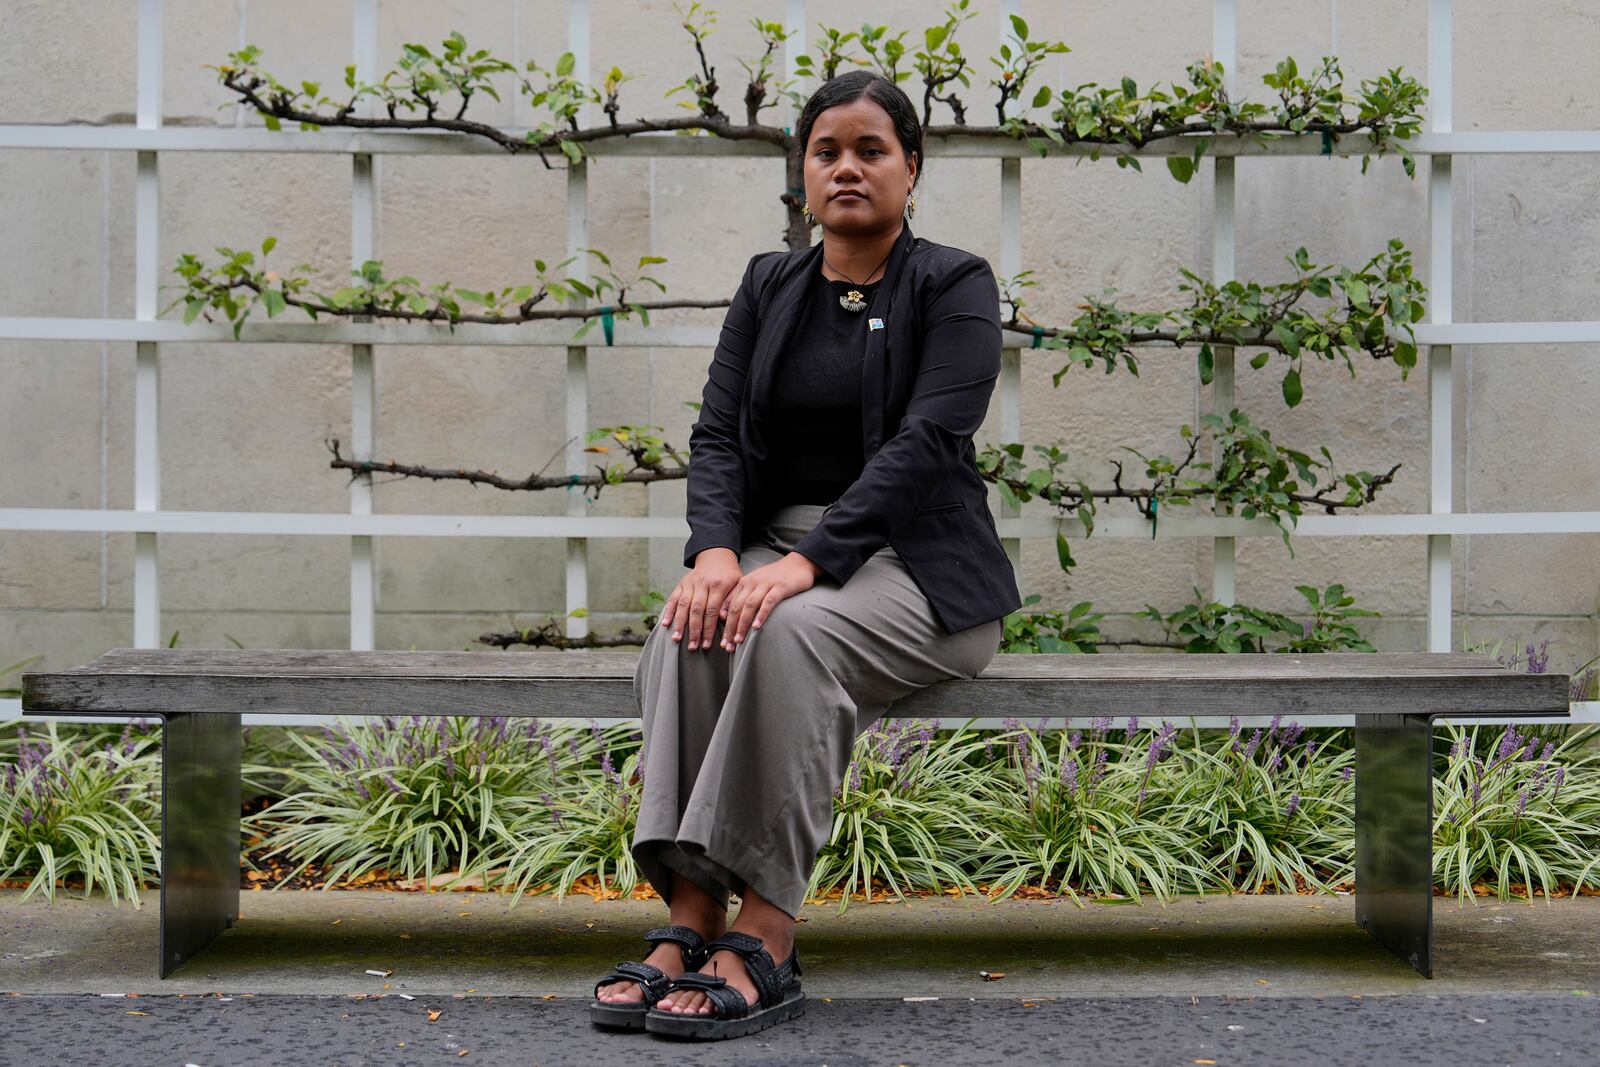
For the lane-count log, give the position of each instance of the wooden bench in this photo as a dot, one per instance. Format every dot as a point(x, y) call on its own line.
point(200, 694)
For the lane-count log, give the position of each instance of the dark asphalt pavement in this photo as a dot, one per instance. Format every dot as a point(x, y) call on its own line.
point(1326, 1031)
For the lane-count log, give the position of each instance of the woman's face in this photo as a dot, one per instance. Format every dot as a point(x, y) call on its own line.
point(853, 149)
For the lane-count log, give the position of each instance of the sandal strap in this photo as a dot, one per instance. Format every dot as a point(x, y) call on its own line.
point(726, 1001)
point(652, 980)
point(771, 979)
point(687, 938)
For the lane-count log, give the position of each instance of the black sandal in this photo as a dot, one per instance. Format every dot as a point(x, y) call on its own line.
point(652, 980)
point(777, 984)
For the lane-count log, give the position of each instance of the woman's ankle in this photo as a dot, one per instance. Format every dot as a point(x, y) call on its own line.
point(695, 908)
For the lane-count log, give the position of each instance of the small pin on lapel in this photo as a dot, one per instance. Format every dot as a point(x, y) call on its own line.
point(874, 324)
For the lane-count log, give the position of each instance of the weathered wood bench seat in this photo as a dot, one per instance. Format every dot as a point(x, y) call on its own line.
point(200, 694)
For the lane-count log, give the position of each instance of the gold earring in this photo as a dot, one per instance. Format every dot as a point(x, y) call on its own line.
point(805, 209)
point(911, 206)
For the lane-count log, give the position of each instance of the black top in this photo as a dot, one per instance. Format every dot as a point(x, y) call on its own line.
point(815, 451)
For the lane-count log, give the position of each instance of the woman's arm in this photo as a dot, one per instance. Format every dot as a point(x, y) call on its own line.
point(715, 507)
point(960, 363)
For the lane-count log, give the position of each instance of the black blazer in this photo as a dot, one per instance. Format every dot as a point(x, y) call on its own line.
point(920, 490)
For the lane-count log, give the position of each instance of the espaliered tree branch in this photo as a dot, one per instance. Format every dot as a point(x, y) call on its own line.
point(236, 286)
point(1251, 474)
point(1199, 626)
point(430, 90)
point(647, 450)
point(1364, 304)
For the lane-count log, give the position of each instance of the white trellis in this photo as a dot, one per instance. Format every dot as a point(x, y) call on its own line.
point(147, 520)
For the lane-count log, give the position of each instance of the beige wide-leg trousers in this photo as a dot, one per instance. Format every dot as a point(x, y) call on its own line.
point(743, 749)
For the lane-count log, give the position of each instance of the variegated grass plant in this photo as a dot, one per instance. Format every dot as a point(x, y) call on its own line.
point(904, 813)
point(81, 802)
point(418, 796)
point(1514, 807)
point(1060, 811)
point(1275, 809)
point(581, 824)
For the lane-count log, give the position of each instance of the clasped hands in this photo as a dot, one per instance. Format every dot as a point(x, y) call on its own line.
point(717, 589)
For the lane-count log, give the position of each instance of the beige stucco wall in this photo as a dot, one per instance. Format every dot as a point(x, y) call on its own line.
point(243, 424)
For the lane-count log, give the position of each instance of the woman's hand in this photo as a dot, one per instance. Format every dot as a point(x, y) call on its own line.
point(699, 595)
point(752, 599)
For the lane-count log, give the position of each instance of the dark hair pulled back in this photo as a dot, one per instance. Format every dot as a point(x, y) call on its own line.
point(853, 85)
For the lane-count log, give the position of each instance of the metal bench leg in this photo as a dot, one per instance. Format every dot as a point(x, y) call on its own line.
point(1394, 834)
point(199, 832)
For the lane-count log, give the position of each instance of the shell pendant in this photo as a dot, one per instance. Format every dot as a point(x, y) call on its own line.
point(854, 300)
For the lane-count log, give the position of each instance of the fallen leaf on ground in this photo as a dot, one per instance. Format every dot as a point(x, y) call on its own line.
point(336, 922)
point(138, 1013)
point(991, 976)
point(433, 1015)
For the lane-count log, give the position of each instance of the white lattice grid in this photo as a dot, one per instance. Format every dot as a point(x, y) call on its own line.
point(148, 138)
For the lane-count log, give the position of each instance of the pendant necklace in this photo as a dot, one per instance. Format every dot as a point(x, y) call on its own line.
point(855, 299)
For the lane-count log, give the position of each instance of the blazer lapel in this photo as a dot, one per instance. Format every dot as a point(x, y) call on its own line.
point(893, 293)
point(778, 318)
point(776, 322)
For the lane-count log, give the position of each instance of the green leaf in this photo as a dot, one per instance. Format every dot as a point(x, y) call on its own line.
point(268, 245)
point(1020, 27)
point(1286, 337)
point(1042, 97)
point(1291, 388)
point(1182, 168)
point(1208, 364)
point(273, 298)
point(1259, 360)
point(565, 64)
point(1064, 553)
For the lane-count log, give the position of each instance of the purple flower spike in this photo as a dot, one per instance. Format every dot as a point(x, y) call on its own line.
point(1075, 739)
point(1069, 775)
point(1508, 744)
point(1133, 725)
point(1294, 803)
point(1540, 660)
point(1533, 746)
point(1233, 729)
point(550, 804)
point(1349, 771)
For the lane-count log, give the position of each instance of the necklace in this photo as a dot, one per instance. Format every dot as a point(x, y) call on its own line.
point(855, 299)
